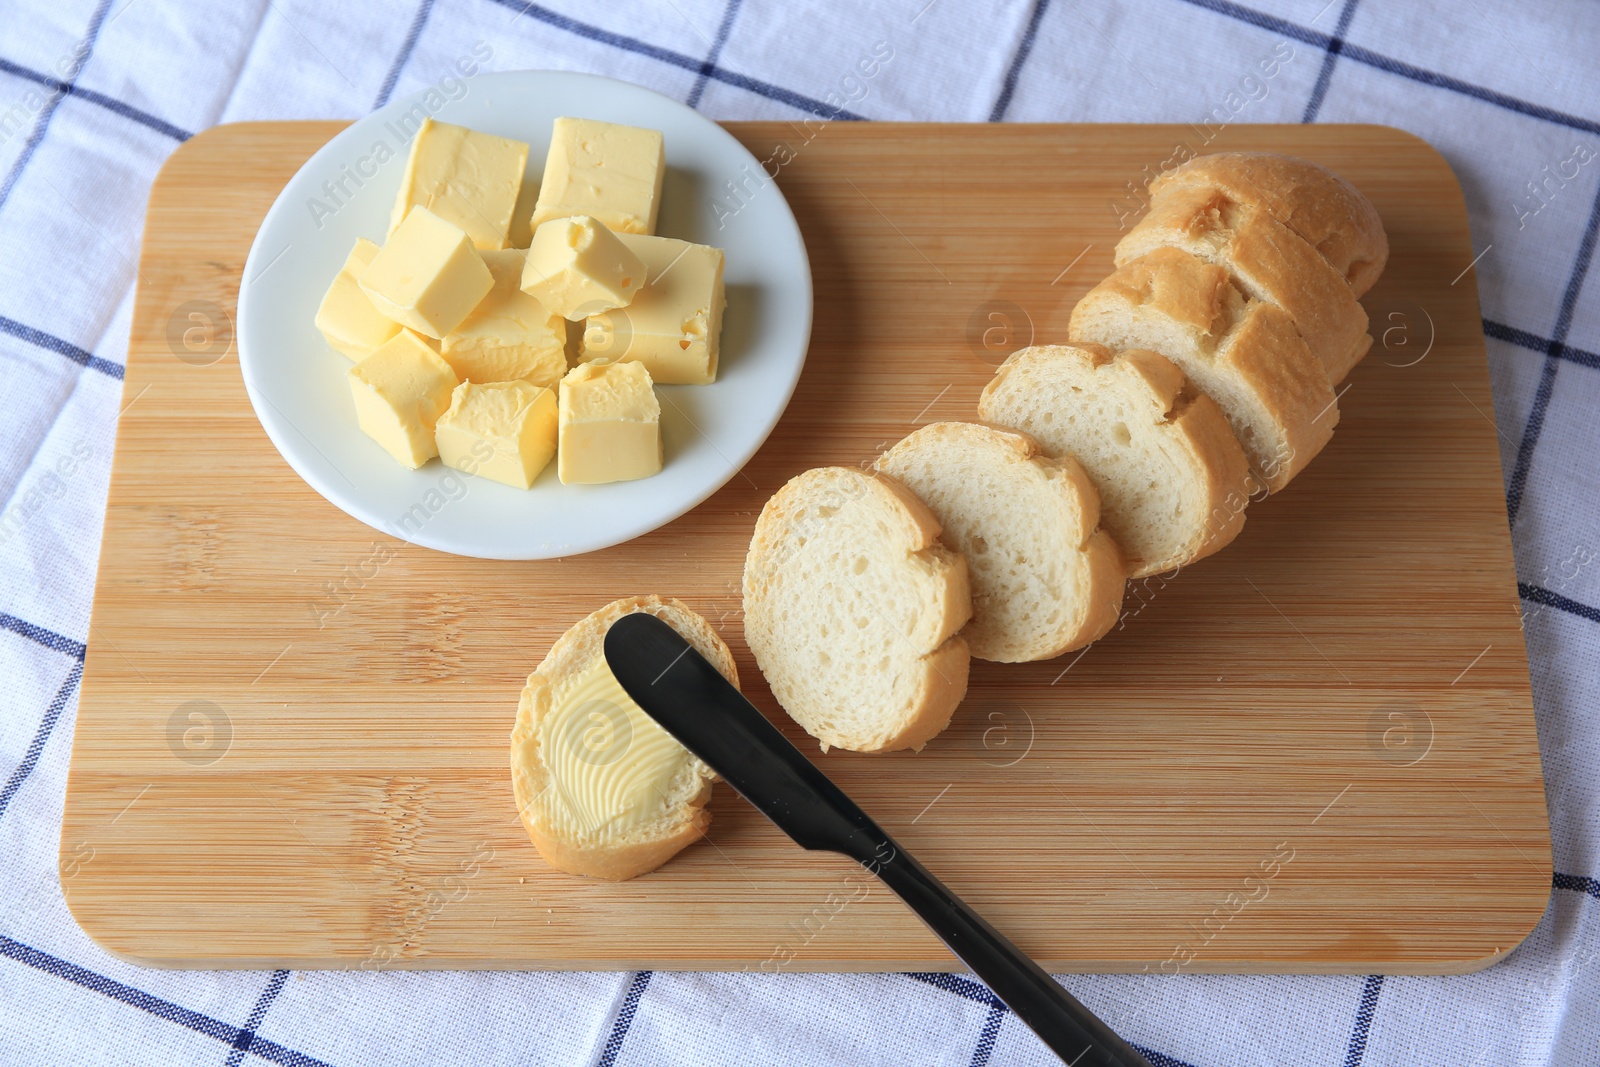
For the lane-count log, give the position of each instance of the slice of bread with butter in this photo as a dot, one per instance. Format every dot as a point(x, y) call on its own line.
point(602, 789)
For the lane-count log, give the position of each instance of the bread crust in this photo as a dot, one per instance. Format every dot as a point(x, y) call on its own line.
point(1258, 348)
point(1304, 406)
point(1270, 262)
point(1193, 423)
point(1321, 206)
point(621, 862)
point(942, 663)
point(944, 685)
point(572, 653)
point(939, 625)
point(1077, 505)
point(1201, 425)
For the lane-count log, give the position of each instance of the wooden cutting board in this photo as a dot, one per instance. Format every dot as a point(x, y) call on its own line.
point(1313, 752)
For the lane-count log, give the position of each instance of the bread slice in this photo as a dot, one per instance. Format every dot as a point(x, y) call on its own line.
point(1045, 578)
point(1172, 479)
point(852, 607)
point(566, 832)
point(1244, 354)
point(1313, 201)
point(1270, 262)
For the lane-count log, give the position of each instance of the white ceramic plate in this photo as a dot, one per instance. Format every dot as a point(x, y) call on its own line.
point(298, 387)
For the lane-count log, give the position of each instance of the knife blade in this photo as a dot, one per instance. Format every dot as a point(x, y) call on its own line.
point(681, 690)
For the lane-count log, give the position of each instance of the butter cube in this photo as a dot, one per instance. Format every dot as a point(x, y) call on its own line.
point(610, 423)
point(509, 335)
point(674, 322)
point(346, 317)
point(400, 391)
point(601, 169)
point(576, 267)
point(428, 276)
point(465, 177)
point(501, 430)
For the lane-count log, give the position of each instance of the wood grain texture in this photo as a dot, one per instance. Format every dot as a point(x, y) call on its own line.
point(1346, 684)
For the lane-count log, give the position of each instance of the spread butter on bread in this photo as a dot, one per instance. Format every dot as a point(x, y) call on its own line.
point(602, 789)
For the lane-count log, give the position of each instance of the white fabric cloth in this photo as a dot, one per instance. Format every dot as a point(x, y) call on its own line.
point(94, 94)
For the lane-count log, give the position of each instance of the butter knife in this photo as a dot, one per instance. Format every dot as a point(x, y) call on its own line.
point(681, 690)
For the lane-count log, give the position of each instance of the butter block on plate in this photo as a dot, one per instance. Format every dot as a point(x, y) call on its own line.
point(347, 318)
point(674, 323)
point(509, 335)
point(610, 424)
point(400, 391)
point(576, 268)
point(502, 430)
point(465, 177)
point(428, 277)
point(601, 169)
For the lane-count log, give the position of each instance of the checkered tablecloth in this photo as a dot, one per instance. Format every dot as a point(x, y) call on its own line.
point(94, 94)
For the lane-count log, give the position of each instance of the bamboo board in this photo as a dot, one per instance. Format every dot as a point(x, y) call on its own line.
point(1314, 752)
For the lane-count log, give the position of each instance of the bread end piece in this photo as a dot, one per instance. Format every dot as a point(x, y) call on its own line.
point(1320, 205)
point(1266, 259)
point(574, 652)
point(852, 608)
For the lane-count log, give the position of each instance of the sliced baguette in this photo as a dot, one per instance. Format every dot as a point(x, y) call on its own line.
point(852, 607)
point(1270, 262)
point(1045, 578)
point(1243, 353)
point(561, 839)
point(1172, 479)
point(1313, 201)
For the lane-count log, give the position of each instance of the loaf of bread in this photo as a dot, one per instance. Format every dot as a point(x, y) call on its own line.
point(1268, 261)
point(1199, 372)
point(1321, 207)
point(1045, 578)
point(1172, 479)
point(1245, 354)
point(601, 788)
point(852, 606)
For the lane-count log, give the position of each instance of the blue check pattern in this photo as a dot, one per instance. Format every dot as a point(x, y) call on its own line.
point(94, 94)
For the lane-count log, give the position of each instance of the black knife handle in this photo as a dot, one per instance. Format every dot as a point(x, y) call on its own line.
point(1067, 1028)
